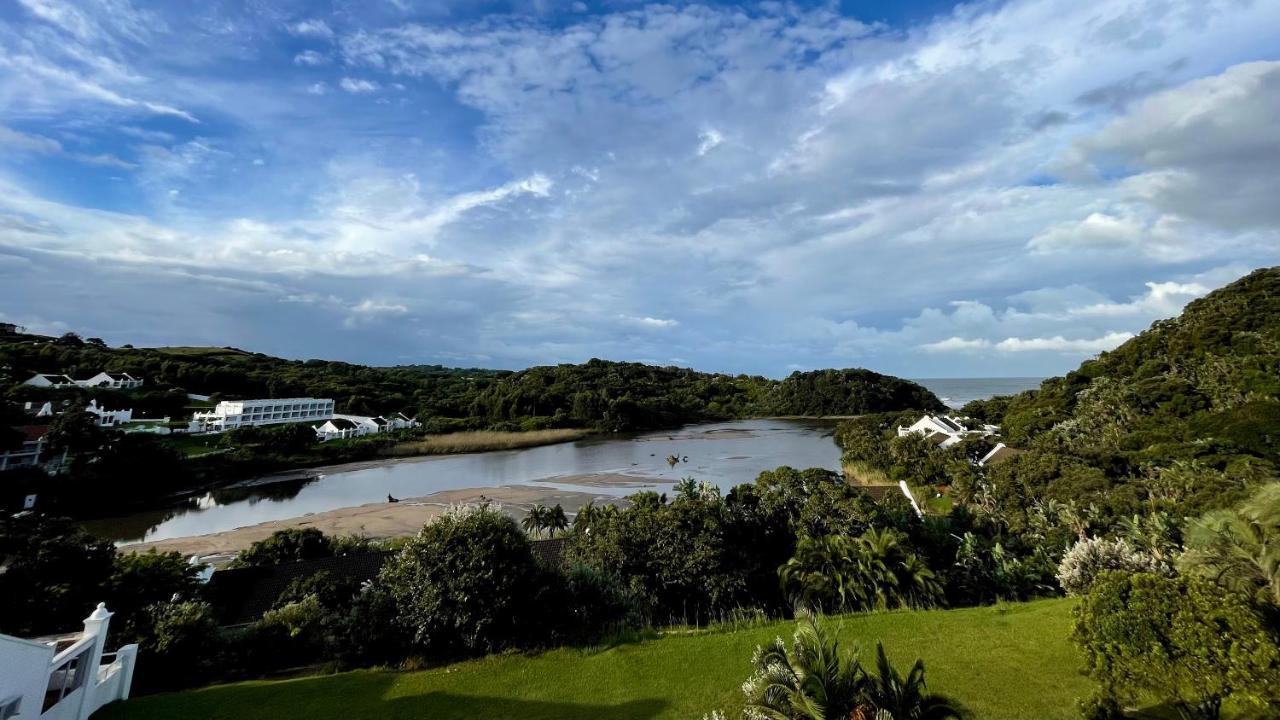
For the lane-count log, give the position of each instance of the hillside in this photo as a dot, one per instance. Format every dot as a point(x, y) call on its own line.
point(1187, 414)
point(1023, 649)
point(597, 394)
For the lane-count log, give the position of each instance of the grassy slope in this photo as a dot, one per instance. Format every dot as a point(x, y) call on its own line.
point(1001, 663)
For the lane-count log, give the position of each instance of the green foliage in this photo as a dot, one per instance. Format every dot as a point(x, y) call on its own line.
point(1239, 548)
point(814, 679)
point(1199, 391)
point(847, 392)
point(872, 571)
point(54, 574)
point(467, 583)
point(904, 698)
point(182, 646)
point(288, 545)
point(142, 579)
point(1181, 641)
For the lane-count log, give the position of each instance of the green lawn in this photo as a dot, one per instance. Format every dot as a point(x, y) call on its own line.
point(1011, 662)
point(193, 445)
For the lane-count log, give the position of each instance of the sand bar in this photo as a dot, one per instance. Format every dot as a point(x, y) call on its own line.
point(380, 520)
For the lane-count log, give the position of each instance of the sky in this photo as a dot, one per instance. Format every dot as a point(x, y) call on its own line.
point(921, 188)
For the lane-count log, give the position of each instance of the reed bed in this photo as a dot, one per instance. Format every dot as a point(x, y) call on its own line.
point(483, 440)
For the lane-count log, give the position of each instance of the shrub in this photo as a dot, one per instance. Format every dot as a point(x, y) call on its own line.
point(1090, 557)
point(1181, 641)
point(468, 583)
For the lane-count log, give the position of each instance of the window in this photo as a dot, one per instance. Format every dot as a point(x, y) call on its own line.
point(67, 678)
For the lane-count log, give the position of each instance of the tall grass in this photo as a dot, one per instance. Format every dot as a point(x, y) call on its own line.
point(482, 440)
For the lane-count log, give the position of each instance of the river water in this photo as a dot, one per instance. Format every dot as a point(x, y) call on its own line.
point(726, 454)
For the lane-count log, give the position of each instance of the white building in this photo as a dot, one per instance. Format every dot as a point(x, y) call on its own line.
point(232, 414)
point(50, 380)
point(945, 431)
point(29, 454)
point(349, 426)
point(109, 418)
point(64, 678)
point(113, 380)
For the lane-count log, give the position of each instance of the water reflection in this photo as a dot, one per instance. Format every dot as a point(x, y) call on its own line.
point(723, 453)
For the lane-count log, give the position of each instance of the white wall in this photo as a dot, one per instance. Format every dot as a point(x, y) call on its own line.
point(24, 671)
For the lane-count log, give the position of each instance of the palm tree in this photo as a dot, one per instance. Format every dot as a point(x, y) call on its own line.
point(536, 520)
point(827, 573)
point(811, 680)
point(899, 698)
point(555, 519)
point(1240, 548)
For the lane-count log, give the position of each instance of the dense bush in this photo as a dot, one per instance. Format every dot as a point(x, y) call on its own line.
point(467, 583)
point(1179, 641)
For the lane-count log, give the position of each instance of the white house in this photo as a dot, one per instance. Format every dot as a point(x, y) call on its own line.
point(64, 678)
point(944, 430)
point(394, 421)
point(348, 426)
point(339, 428)
point(232, 414)
point(113, 380)
point(109, 418)
point(34, 441)
point(50, 380)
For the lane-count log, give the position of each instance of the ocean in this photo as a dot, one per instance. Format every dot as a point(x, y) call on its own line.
point(955, 392)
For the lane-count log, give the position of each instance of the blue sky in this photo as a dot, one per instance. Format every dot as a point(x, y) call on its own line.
point(920, 188)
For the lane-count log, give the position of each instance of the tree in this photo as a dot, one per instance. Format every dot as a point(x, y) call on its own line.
point(288, 545)
point(810, 680)
point(1240, 548)
point(556, 520)
point(142, 579)
point(467, 583)
point(1182, 641)
point(54, 574)
point(814, 680)
point(904, 698)
point(874, 570)
point(535, 521)
point(75, 431)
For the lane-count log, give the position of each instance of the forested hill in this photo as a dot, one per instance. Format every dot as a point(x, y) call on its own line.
point(1189, 410)
point(597, 394)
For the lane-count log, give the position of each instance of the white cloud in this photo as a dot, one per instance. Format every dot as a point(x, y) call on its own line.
point(317, 88)
point(358, 85)
point(312, 28)
point(311, 58)
point(1057, 343)
point(651, 322)
point(379, 307)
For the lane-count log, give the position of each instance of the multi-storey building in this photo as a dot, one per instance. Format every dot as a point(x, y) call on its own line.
point(232, 414)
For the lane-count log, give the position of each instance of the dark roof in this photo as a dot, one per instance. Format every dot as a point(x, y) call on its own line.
point(878, 492)
point(949, 423)
point(342, 423)
point(550, 551)
point(119, 376)
point(241, 595)
point(939, 437)
point(32, 433)
point(1002, 454)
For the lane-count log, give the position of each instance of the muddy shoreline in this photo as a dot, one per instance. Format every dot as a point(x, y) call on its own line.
point(380, 521)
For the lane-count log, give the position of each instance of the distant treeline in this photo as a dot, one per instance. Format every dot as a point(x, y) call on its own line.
point(597, 394)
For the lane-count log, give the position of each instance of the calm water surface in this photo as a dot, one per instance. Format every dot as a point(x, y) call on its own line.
point(724, 453)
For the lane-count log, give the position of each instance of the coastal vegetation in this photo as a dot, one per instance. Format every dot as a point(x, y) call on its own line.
point(482, 441)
